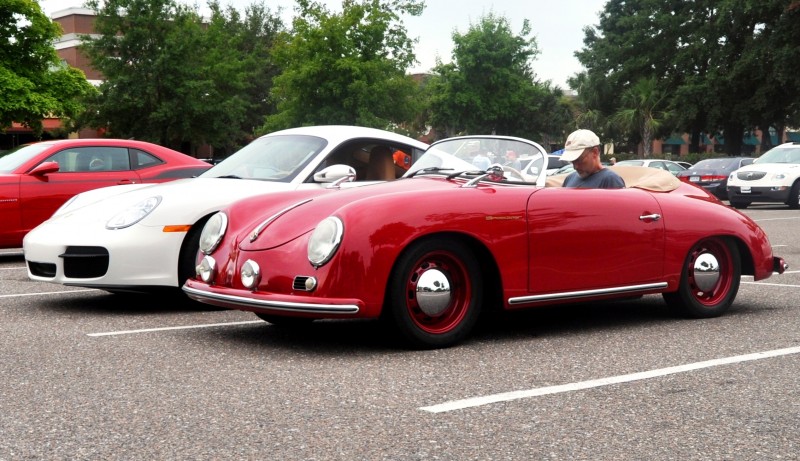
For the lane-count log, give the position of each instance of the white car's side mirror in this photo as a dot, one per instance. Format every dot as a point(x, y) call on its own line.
point(334, 173)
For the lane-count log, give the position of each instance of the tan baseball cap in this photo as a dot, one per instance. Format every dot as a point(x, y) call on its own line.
point(577, 142)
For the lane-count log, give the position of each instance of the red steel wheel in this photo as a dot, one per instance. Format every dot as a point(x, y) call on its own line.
point(435, 293)
point(709, 279)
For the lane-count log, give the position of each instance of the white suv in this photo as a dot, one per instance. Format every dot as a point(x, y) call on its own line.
point(773, 177)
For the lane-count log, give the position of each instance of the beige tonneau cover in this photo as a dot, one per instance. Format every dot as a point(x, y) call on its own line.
point(641, 177)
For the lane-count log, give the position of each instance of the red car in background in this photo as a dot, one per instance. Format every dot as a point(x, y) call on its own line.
point(36, 179)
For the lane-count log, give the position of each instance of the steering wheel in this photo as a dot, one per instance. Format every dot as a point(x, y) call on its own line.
point(514, 173)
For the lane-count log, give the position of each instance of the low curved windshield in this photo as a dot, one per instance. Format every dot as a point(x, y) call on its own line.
point(780, 155)
point(473, 153)
point(10, 161)
point(270, 158)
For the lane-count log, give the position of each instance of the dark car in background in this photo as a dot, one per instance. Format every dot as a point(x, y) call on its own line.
point(712, 173)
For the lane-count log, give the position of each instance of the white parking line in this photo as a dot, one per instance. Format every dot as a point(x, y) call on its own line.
point(185, 327)
point(47, 293)
point(772, 284)
point(776, 219)
point(12, 268)
point(507, 396)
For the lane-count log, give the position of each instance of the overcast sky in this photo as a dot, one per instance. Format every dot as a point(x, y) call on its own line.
point(556, 24)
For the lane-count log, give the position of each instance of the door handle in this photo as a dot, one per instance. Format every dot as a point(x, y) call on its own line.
point(650, 217)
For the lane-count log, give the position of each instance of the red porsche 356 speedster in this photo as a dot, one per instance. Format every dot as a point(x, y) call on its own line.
point(429, 251)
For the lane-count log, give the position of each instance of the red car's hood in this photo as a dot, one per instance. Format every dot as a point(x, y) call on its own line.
point(281, 217)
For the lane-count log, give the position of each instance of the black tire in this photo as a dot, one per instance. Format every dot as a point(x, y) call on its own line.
point(709, 279)
point(739, 205)
point(187, 260)
point(794, 196)
point(434, 318)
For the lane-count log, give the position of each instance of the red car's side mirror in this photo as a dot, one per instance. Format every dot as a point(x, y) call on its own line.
point(44, 168)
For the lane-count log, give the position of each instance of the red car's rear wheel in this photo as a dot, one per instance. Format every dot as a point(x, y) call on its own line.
point(709, 280)
point(435, 293)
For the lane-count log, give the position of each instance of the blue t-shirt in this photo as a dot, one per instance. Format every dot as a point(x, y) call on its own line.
point(603, 179)
point(481, 161)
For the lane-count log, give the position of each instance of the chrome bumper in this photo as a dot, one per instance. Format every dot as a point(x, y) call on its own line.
point(232, 301)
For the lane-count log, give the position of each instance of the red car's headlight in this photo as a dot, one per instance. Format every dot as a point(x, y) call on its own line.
point(325, 240)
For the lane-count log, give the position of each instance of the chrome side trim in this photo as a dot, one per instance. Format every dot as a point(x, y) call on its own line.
point(257, 231)
point(285, 306)
point(586, 293)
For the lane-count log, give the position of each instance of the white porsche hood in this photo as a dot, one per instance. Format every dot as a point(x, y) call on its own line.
point(182, 201)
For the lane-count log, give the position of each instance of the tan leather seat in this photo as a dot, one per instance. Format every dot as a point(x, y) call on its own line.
point(381, 165)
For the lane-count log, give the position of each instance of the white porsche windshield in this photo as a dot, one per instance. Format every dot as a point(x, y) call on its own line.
point(270, 158)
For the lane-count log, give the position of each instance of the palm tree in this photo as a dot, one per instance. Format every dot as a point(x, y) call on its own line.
point(643, 111)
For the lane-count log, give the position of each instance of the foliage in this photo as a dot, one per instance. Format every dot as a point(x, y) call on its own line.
point(642, 111)
point(33, 82)
point(345, 68)
point(490, 85)
point(726, 66)
point(173, 79)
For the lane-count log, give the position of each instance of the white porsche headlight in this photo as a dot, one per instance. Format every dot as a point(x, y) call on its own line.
point(213, 232)
point(325, 240)
point(133, 214)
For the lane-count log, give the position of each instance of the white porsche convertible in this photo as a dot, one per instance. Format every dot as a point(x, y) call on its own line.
point(141, 238)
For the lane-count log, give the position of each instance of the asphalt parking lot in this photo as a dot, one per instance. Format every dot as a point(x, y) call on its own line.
point(88, 375)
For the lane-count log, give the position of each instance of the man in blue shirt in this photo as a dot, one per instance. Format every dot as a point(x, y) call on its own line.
point(583, 150)
point(481, 161)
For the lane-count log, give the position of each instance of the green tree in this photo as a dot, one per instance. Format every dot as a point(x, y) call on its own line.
point(177, 80)
point(490, 86)
point(642, 112)
point(147, 52)
point(754, 71)
point(238, 72)
point(716, 59)
point(346, 68)
point(33, 82)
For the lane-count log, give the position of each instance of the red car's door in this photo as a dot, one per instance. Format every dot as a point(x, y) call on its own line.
point(583, 239)
point(9, 211)
point(80, 169)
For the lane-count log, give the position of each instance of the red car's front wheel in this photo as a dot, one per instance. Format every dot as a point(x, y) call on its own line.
point(435, 293)
point(709, 280)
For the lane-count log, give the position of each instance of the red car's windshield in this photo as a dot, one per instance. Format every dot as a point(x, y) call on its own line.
point(9, 161)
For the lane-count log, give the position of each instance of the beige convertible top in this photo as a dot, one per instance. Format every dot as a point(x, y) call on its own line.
point(652, 179)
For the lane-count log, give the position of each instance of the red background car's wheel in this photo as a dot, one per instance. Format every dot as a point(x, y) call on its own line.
point(434, 297)
point(709, 280)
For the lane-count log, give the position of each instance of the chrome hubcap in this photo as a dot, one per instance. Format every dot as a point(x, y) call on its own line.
point(433, 292)
point(706, 271)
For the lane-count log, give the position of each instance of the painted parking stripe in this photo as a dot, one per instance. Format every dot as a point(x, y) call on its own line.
point(772, 284)
point(776, 219)
point(571, 387)
point(185, 327)
point(44, 293)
